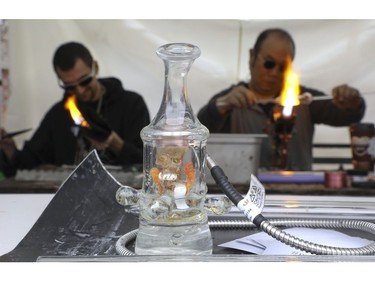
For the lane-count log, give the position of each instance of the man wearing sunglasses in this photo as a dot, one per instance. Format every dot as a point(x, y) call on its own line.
point(115, 117)
point(248, 106)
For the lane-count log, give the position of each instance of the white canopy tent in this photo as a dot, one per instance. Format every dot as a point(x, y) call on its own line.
point(329, 53)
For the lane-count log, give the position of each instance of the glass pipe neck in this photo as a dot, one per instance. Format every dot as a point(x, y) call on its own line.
point(178, 58)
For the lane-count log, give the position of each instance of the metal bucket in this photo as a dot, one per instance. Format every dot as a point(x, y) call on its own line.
point(237, 154)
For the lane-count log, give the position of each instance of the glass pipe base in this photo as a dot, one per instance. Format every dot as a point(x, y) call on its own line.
point(174, 240)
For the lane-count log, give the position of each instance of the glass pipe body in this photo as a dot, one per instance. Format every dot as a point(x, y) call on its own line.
point(172, 217)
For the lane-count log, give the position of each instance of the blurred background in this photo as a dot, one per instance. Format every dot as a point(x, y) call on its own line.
point(329, 53)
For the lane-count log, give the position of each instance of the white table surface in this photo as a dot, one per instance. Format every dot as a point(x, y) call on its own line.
point(18, 213)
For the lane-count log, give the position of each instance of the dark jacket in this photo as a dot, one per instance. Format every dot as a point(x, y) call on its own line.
point(54, 142)
point(256, 120)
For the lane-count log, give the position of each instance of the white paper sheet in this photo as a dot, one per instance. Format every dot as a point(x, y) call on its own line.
point(263, 244)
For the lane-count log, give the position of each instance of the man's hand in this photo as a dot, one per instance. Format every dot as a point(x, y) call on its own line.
point(238, 97)
point(99, 133)
point(346, 97)
point(114, 142)
point(98, 128)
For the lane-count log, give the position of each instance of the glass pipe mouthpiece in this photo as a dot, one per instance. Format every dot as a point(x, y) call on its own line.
point(173, 219)
point(179, 52)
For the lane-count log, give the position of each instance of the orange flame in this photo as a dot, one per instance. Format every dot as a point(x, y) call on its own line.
point(289, 94)
point(70, 105)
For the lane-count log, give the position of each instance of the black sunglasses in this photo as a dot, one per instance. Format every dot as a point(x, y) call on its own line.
point(270, 64)
point(83, 82)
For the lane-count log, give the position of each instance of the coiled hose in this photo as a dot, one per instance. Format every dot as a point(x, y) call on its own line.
point(270, 227)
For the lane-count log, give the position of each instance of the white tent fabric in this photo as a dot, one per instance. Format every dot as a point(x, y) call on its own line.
point(329, 53)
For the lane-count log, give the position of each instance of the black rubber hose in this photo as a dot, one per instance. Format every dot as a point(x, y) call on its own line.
point(226, 187)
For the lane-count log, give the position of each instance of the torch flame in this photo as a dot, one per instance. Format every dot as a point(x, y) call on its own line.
point(289, 94)
point(70, 105)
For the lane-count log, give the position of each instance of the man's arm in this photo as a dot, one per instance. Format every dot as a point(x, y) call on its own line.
point(346, 106)
point(215, 115)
